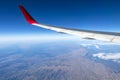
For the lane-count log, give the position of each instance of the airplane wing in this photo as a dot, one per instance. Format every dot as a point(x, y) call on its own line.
point(87, 34)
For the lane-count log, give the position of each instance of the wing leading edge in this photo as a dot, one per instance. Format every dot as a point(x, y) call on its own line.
point(87, 34)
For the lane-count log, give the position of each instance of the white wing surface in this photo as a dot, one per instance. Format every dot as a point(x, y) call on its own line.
point(87, 34)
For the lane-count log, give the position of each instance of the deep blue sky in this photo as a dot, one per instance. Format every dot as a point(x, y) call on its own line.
point(100, 15)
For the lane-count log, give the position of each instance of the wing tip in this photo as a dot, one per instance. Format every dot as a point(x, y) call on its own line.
point(27, 16)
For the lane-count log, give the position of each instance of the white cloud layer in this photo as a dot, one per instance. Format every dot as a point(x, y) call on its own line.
point(108, 56)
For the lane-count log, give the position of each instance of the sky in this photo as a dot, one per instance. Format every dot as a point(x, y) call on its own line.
point(99, 15)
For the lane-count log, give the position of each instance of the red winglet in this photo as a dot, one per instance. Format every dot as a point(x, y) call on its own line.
point(27, 15)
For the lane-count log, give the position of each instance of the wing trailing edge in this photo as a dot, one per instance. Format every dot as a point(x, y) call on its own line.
point(86, 34)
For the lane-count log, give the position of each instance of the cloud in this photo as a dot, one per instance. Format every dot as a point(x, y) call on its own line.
point(108, 56)
point(97, 46)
